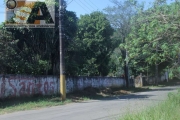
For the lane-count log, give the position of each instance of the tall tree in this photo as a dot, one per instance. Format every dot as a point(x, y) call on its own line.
point(93, 45)
point(38, 49)
point(154, 38)
point(7, 50)
point(120, 16)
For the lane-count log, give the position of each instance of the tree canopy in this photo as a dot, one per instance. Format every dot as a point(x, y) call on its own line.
point(99, 44)
point(92, 45)
point(154, 38)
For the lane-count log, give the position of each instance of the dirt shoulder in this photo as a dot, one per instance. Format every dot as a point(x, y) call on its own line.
point(100, 93)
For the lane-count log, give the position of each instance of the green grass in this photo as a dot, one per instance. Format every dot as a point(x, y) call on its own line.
point(29, 103)
point(167, 110)
point(38, 102)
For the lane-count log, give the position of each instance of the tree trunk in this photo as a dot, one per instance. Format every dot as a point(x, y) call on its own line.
point(156, 68)
point(126, 74)
point(147, 75)
point(157, 78)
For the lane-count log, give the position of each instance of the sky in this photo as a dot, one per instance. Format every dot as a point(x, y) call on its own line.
point(80, 7)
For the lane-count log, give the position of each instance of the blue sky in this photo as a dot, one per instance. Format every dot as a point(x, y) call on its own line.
point(81, 7)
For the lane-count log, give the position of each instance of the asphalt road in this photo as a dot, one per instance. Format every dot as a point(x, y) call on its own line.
point(105, 109)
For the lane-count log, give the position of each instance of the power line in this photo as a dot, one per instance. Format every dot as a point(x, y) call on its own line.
point(70, 2)
point(93, 3)
point(80, 5)
point(85, 5)
point(90, 4)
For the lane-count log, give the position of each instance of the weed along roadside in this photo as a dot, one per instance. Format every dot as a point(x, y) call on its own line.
point(10, 105)
point(167, 110)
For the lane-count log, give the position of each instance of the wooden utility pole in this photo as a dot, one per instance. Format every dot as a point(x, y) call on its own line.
point(61, 51)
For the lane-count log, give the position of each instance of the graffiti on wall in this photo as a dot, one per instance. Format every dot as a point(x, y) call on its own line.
point(19, 85)
point(11, 86)
point(79, 83)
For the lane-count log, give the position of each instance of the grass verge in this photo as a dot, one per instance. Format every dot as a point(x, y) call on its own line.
point(167, 110)
point(37, 102)
point(28, 103)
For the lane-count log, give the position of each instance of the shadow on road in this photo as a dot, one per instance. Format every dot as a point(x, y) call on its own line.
point(114, 93)
point(102, 94)
point(126, 97)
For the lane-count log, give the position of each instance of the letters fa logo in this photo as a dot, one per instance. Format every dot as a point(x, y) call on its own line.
point(31, 12)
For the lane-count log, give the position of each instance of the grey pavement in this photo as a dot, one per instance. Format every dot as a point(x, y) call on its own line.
point(104, 109)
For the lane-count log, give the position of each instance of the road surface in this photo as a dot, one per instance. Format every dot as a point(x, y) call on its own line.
point(105, 109)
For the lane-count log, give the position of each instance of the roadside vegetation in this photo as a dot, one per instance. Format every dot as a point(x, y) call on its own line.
point(30, 103)
point(167, 110)
point(101, 40)
point(96, 44)
point(10, 105)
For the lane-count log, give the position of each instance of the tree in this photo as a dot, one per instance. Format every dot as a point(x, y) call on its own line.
point(120, 16)
point(93, 45)
point(42, 45)
point(7, 52)
point(154, 38)
point(115, 66)
point(38, 49)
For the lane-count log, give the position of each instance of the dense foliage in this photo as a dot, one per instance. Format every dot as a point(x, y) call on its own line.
point(37, 50)
point(154, 38)
point(99, 44)
point(92, 46)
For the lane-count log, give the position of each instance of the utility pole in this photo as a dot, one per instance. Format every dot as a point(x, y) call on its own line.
point(61, 51)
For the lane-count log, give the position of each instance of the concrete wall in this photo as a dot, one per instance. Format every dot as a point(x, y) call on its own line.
point(138, 81)
point(143, 80)
point(26, 85)
point(19, 85)
point(151, 79)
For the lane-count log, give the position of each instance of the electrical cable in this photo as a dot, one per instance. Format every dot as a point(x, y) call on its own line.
point(85, 5)
point(70, 2)
point(93, 3)
point(92, 6)
point(81, 6)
